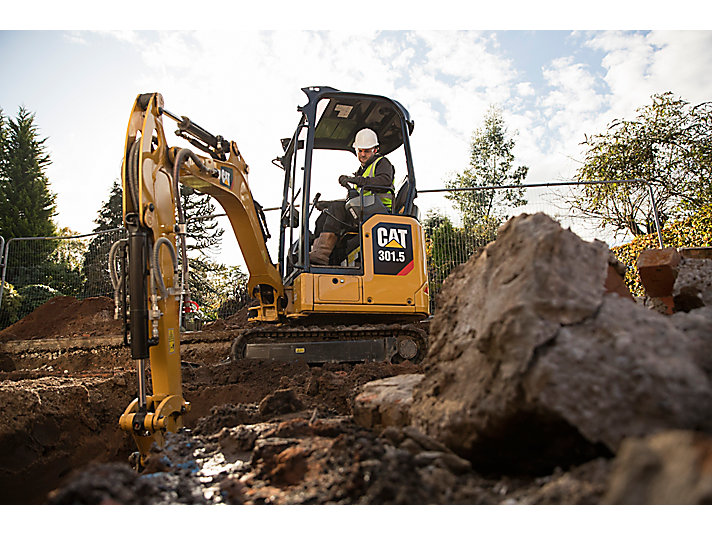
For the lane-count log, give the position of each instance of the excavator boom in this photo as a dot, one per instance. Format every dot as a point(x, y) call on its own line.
point(153, 215)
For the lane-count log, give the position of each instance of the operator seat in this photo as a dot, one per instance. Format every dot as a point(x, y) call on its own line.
point(403, 203)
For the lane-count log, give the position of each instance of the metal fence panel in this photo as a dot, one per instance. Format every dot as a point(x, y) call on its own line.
point(36, 269)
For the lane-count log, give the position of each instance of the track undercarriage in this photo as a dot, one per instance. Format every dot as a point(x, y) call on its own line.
point(393, 343)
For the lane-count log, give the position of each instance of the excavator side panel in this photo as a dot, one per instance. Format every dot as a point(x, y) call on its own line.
point(394, 279)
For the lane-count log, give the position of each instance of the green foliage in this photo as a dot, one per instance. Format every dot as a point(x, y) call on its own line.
point(95, 264)
point(694, 231)
point(491, 161)
point(26, 204)
point(669, 145)
point(217, 288)
point(110, 214)
point(203, 232)
point(447, 246)
point(11, 306)
point(33, 296)
point(64, 269)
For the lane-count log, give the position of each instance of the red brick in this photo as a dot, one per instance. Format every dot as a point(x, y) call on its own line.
point(658, 270)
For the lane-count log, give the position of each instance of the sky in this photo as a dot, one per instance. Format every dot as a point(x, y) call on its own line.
point(241, 77)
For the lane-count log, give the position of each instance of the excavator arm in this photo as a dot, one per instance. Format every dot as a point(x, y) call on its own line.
point(154, 218)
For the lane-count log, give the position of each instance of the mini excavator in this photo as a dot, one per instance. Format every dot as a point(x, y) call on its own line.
point(362, 306)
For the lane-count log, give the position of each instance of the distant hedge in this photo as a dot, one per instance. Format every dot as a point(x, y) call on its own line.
point(694, 231)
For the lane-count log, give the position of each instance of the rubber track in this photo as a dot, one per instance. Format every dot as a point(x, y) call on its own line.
point(345, 333)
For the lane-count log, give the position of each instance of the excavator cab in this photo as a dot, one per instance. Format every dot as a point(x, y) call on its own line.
point(317, 153)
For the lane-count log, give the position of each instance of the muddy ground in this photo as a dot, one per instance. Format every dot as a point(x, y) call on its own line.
point(259, 432)
point(611, 407)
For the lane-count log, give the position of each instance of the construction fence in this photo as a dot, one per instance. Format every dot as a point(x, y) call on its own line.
point(36, 269)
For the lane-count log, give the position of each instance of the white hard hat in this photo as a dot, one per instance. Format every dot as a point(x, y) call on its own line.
point(365, 138)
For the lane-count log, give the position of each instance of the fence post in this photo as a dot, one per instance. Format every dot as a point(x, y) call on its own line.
point(655, 213)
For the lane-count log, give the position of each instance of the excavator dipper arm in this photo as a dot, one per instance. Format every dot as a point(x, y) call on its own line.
point(153, 216)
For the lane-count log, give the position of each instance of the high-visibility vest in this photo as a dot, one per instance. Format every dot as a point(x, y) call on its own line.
point(370, 172)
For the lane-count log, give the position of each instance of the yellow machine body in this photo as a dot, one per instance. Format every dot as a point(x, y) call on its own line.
point(388, 278)
point(394, 279)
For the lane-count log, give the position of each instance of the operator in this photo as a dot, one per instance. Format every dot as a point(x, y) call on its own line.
point(375, 170)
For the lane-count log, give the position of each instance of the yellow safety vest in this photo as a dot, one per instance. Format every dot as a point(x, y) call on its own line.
point(370, 172)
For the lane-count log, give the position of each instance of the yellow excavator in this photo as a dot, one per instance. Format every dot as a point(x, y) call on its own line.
point(363, 306)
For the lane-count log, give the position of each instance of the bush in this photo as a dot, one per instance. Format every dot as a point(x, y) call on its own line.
point(11, 306)
point(694, 231)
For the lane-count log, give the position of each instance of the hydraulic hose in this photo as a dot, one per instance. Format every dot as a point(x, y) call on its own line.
point(132, 172)
point(156, 266)
point(117, 280)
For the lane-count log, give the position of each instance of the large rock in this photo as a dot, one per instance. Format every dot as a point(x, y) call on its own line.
point(386, 402)
point(530, 366)
point(693, 285)
point(627, 371)
point(673, 467)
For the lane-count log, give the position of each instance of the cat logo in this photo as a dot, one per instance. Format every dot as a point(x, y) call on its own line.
point(226, 177)
point(391, 237)
point(392, 249)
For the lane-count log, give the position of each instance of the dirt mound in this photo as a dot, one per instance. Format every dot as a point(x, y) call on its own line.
point(64, 316)
point(236, 320)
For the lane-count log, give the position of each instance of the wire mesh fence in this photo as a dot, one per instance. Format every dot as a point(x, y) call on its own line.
point(35, 270)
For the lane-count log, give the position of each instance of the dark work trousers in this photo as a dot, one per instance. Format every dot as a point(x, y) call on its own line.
point(324, 223)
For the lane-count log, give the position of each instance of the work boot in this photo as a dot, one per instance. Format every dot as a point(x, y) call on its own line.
point(322, 247)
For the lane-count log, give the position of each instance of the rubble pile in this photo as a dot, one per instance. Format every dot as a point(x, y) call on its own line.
point(533, 365)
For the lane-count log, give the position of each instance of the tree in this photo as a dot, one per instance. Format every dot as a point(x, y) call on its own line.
point(447, 246)
point(27, 206)
point(203, 232)
point(491, 161)
point(110, 214)
point(669, 145)
point(96, 258)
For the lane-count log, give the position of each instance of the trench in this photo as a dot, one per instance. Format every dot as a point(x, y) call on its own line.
point(61, 407)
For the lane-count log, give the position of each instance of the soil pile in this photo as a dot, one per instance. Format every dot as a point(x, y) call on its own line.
point(564, 371)
point(63, 316)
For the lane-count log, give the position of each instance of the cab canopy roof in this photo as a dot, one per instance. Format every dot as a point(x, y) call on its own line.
point(347, 113)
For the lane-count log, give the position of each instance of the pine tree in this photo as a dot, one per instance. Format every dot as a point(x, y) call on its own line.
point(110, 214)
point(27, 206)
point(96, 259)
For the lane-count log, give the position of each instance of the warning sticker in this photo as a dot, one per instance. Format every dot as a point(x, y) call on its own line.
point(343, 111)
point(171, 340)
